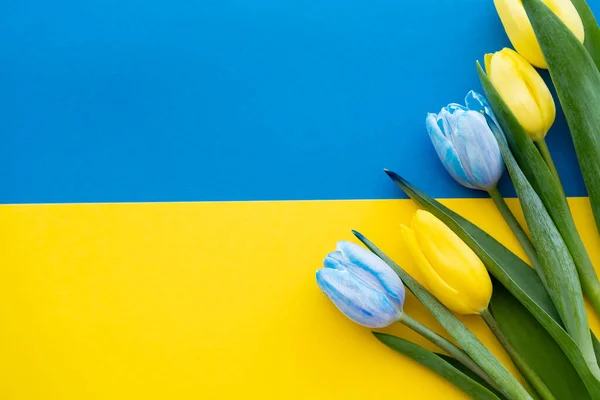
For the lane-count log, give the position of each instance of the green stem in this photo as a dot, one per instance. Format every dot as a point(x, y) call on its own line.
point(545, 152)
point(447, 346)
point(521, 364)
point(514, 225)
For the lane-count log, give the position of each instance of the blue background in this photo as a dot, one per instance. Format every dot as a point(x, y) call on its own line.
point(155, 100)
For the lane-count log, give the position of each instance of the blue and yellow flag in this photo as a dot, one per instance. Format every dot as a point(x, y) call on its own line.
point(174, 172)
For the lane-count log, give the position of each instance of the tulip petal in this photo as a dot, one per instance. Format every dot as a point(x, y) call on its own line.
point(537, 88)
point(519, 31)
point(334, 260)
point(482, 163)
point(446, 151)
point(487, 59)
point(566, 11)
point(477, 102)
point(448, 115)
point(444, 292)
point(373, 271)
point(453, 260)
point(512, 84)
point(355, 300)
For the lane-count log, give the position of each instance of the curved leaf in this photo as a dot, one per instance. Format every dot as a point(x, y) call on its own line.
point(536, 346)
point(437, 364)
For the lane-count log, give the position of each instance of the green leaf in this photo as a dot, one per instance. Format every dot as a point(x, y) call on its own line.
point(465, 338)
point(577, 82)
point(544, 183)
point(596, 344)
point(465, 370)
point(536, 346)
point(437, 365)
point(592, 32)
point(557, 268)
point(514, 274)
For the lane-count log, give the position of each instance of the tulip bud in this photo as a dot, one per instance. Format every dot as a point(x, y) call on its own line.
point(465, 144)
point(453, 272)
point(520, 32)
point(523, 90)
point(362, 286)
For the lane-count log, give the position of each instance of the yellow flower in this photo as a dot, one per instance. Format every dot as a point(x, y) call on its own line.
point(453, 272)
point(523, 90)
point(520, 32)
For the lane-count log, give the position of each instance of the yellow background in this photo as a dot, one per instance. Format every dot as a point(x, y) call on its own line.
point(206, 301)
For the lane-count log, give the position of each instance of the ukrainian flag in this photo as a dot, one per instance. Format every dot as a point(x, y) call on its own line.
point(174, 172)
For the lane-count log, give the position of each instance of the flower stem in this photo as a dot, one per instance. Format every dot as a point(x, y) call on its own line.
point(520, 363)
point(545, 152)
point(447, 346)
point(514, 225)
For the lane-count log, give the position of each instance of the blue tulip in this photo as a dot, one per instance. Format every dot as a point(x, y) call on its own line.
point(465, 144)
point(362, 286)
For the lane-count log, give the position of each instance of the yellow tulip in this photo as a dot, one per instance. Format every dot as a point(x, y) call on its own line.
point(453, 272)
point(523, 90)
point(520, 32)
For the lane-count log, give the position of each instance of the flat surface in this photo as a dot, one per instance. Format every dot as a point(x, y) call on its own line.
point(212, 301)
point(155, 100)
point(217, 103)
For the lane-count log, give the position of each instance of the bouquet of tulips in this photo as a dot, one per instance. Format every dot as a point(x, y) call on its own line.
point(536, 310)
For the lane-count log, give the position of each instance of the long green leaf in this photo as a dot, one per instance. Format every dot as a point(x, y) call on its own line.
point(557, 268)
point(514, 274)
point(538, 174)
point(592, 33)
point(577, 82)
point(536, 346)
point(465, 338)
point(438, 365)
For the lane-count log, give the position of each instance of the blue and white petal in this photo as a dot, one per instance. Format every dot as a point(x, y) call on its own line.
point(335, 260)
point(373, 271)
point(478, 150)
point(445, 148)
point(477, 102)
point(355, 300)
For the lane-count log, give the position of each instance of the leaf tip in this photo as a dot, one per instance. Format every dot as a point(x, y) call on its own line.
point(358, 235)
point(382, 337)
point(393, 176)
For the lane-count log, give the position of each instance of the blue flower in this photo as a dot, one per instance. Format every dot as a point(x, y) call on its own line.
point(465, 144)
point(362, 286)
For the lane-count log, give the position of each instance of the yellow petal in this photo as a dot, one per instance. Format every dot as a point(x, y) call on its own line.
point(519, 31)
point(521, 34)
point(453, 261)
point(436, 285)
point(487, 59)
point(538, 90)
point(566, 11)
point(506, 76)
